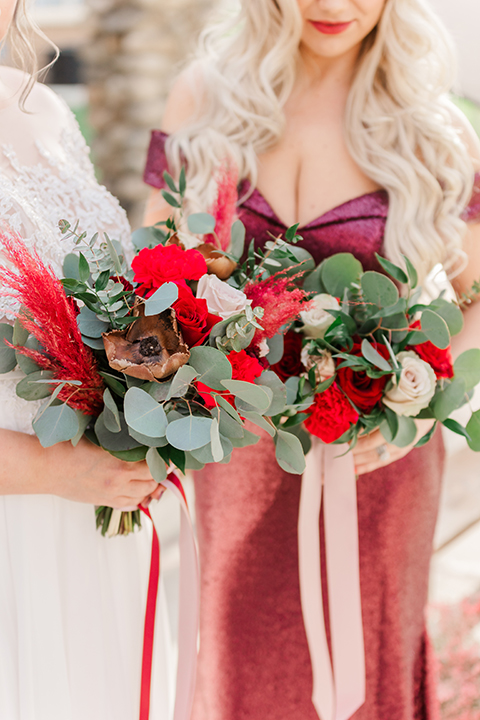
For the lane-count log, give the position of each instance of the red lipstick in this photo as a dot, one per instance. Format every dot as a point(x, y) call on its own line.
point(330, 28)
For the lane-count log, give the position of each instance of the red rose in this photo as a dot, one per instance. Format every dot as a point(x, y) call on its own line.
point(440, 360)
point(193, 317)
point(363, 391)
point(166, 263)
point(244, 366)
point(290, 365)
point(331, 415)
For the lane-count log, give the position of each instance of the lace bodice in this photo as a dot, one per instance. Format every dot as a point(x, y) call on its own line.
point(46, 175)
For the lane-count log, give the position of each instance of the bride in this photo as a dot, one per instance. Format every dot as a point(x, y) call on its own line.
point(71, 602)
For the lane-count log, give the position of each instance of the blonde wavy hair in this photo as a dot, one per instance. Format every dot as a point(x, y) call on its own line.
point(399, 125)
point(20, 42)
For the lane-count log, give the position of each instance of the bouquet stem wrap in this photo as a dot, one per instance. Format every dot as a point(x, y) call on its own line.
point(188, 620)
point(338, 683)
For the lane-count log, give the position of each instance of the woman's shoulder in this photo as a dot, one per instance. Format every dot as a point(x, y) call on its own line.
point(41, 98)
point(185, 99)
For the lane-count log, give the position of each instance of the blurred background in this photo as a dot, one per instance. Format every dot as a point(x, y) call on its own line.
point(118, 59)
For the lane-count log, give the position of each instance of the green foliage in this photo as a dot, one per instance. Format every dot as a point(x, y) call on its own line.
point(201, 223)
point(211, 366)
point(57, 423)
point(161, 299)
point(189, 433)
point(289, 452)
point(467, 368)
point(8, 359)
point(143, 414)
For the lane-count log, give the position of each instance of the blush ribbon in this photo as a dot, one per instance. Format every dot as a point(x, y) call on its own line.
point(188, 620)
point(339, 679)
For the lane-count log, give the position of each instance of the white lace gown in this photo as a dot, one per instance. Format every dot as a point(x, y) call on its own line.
point(71, 602)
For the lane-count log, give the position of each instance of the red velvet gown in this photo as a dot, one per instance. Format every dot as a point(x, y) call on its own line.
point(254, 662)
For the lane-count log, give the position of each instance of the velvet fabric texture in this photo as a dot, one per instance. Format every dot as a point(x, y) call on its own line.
point(254, 662)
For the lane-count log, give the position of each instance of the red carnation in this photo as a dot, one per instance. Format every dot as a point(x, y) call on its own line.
point(290, 365)
point(440, 360)
point(166, 263)
point(244, 367)
point(331, 415)
point(193, 317)
point(363, 391)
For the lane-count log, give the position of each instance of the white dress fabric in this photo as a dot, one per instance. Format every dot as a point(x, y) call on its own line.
point(71, 601)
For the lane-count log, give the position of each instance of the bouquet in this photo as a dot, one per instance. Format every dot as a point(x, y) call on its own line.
point(362, 357)
point(162, 360)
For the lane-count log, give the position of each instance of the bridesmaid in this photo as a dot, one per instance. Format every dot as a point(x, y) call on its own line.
point(336, 114)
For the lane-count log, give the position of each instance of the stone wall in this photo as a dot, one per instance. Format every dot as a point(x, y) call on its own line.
point(136, 49)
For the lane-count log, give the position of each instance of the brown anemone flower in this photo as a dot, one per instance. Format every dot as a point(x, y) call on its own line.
point(217, 264)
point(150, 348)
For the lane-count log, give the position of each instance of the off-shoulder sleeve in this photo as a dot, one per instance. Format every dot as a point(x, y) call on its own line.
point(156, 160)
point(472, 211)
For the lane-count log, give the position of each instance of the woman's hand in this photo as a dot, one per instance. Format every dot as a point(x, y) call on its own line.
point(85, 473)
point(91, 475)
point(372, 452)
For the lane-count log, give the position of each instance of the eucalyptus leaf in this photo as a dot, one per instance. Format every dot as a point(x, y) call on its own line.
point(427, 437)
point(412, 273)
point(407, 431)
point(201, 223)
point(136, 454)
point(161, 299)
point(117, 442)
point(248, 439)
point(191, 463)
point(155, 442)
point(204, 454)
point(83, 422)
point(94, 343)
point(215, 443)
point(70, 266)
point(114, 384)
point(289, 452)
point(111, 416)
point(90, 325)
point(228, 426)
point(339, 271)
point(20, 334)
point(271, 380)
point(373, 356)
point(238, 239)
point(451, 313)
point(212, 366)
point(260, 422)
point(275, 346)
point(228, 409)
point(113, 254)
point(292, 385)
point(147, 237)
point(455, 427)
point(473, 429)
point(83, 268)
point(181, 382)
point(8, 359)
point(58, 423)
point(451, 398)
point(313, 282)
point(467, 367)
point(189, 433)
point(144, 414)
point(378, 290)
point(393, 270)
point(435, 329)
point(156, 465)
point(304, 437)
point(158, 390)
point(29, 389)
point(254, 395)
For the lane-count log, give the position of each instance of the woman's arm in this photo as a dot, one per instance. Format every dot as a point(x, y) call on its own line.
point(181, 106)
point(85, 473)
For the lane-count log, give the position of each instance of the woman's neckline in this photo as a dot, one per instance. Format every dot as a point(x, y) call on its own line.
point(245, 187)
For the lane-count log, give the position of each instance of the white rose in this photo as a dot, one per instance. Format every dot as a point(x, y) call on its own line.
point(263, 348)
point(415, 388)
point(317, 320)
point(222, 299)
point(321, 360)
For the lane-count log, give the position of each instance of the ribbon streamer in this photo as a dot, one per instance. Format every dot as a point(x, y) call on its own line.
point(188, 620)
point(338, 691)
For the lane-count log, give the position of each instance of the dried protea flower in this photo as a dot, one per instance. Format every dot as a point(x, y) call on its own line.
point(150, 348)
point(217, 264)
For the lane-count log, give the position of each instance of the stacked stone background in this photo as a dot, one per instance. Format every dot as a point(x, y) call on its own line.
point(135, 50)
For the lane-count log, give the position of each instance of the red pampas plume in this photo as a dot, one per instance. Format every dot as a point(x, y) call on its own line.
point(224, 209)
point(51, 318)
point(280, 299)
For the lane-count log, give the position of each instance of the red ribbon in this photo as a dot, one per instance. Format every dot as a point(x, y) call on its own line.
point(149, 629)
